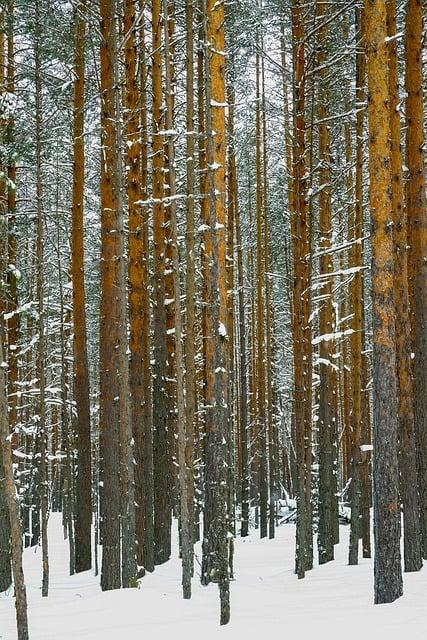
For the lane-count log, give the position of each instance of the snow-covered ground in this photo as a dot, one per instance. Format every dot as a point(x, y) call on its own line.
point(334, 601)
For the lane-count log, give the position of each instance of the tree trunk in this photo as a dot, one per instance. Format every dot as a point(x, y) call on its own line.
point(13, 508)
point(407, 457)
point(416, 208)
point(325, 538)
point(186, 509)
point(83, 518)
point(356, 293)
point(109, 417)
point(260, 356)
point(190, 288)
point(161, 413)
point(299, 227)
point(215, 543)
point(5, 564)
point(387, 568)
point(41, 350)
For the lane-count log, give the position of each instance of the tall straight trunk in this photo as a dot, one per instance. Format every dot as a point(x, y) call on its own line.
point(357, 259)
point(13, 507)
point(186, 510)
point(260, 356)
point(253, 377)
point(139, 314)
point(206, 240)
point(270, 426)
point(232, 443)
point(136, 253)
point(67, 487)
point(325, 538)
point(161, 413)
point(346, 235)
point(215, 544)
point(127, 484)
point(190, 285)
point(299, 228)
point(306, 231)
point(83, 518)
point(242, 349)
point(207, 330)
point(416, 208)
point(387, 568)
point(41, 348)
point(109, 308)
point(13, 322)
point(147, 451)
point(170, 380)
point(356, 342)
point(5, 564)
point(407, 449)
point(291, 198)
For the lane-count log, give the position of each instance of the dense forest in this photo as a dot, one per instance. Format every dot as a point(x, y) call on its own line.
point(213, 287)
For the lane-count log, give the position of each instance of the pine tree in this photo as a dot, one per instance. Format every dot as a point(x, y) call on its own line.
point(407, 448)
point(13, 506)
point(388, 577)
point(109, 417)
point(81, 373)
point(416, 208)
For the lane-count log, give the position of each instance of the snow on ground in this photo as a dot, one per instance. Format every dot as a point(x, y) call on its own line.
point(333, 602)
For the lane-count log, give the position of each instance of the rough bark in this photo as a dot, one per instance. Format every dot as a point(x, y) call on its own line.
point(416, 208)
point(387, 567)
point(13, 508)
point(356, 339)
point(215, 543)
point(325, 538)
point(299, 228)
point(41, 347)
point(190, 287)
point(260, 355)
point(109, 309)
point(83, 516)
point(407, 449)
point(161, 413)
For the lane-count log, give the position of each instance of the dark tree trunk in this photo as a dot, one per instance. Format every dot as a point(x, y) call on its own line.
point(5, 566)
point(83, 516)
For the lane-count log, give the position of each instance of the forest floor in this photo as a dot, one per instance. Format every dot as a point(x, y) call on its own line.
point(333, 602)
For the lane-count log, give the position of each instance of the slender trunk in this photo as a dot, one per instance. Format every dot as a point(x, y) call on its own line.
point(190, 289)
point(356, 346)
point(299, 228)
point(13, 508)
point(41, 376)
point(67, 485)
point(416, 208)
point(260, 356)
point(109, 409)
point(325, 538)
point(5, 564)
point(243, 385)
point(186, 511)
point(407, 457)
point(270, 427)
point(13, 322)
point(83, 517)
point(161, 413)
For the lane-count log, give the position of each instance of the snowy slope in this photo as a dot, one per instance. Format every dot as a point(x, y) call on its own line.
point(333, 602)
